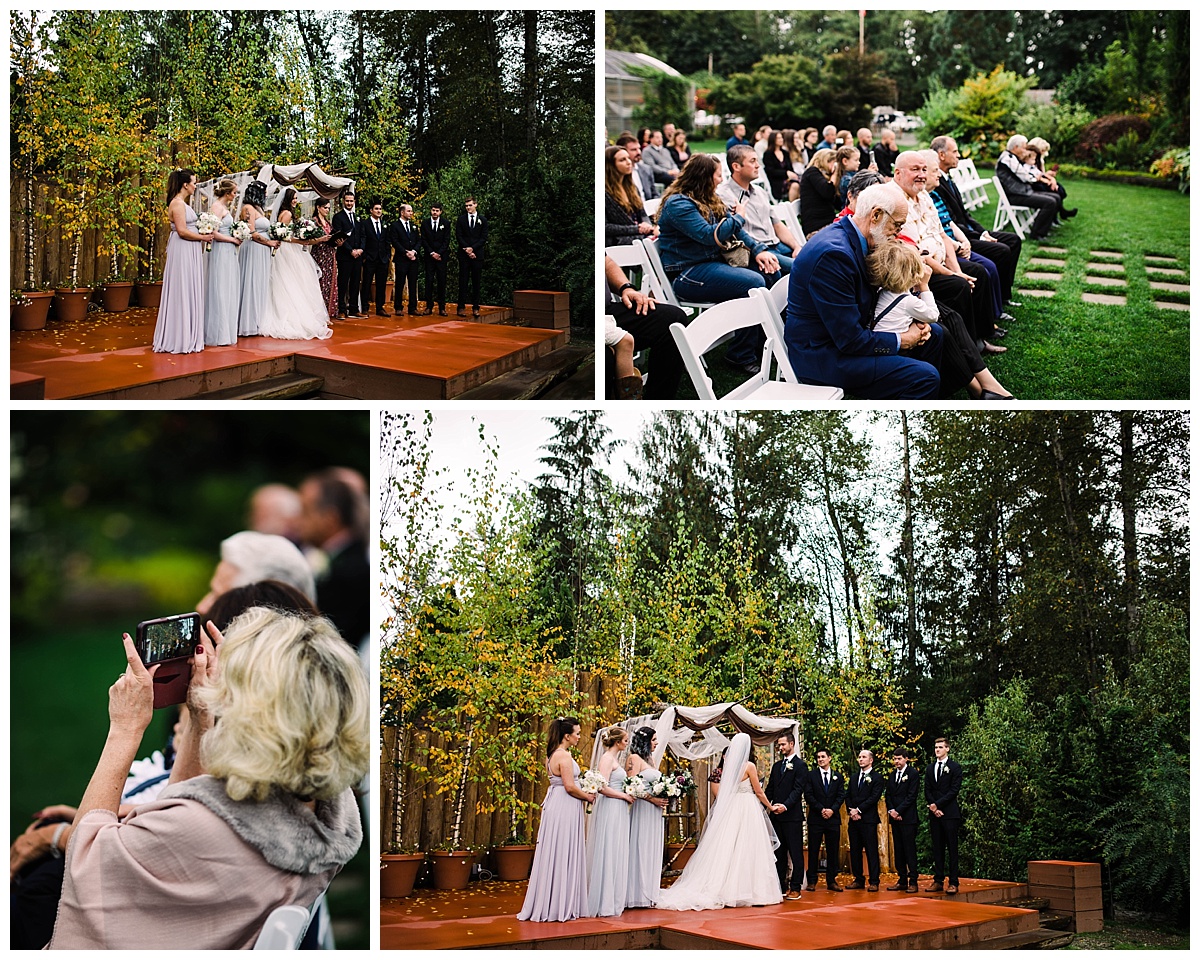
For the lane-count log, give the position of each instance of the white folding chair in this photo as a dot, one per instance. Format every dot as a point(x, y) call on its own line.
point(787, 214)
point(632, 256)
point(970, 186)
point(692, 306)
point(652, 206)
point(1021, 218)
point(777, 297)
point(716, 323)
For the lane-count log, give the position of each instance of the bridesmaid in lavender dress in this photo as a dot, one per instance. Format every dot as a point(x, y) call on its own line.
point(180, 326)
point(255, 261)
point(557, 884)
point(608, 832)
point(224, 274)
point(645, 826)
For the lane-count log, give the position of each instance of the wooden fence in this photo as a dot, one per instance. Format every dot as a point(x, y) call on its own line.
point(427, 817)
point(52, 252)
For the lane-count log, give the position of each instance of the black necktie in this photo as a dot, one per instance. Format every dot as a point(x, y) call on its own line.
point(472, 221)
point(860, 779)
point(376, 228)
point(826, 776)
point(938, 773)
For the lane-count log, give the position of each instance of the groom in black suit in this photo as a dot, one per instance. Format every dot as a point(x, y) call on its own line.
point(471, 232)
point(943, 780)
point(348, 237)
point(785, 790)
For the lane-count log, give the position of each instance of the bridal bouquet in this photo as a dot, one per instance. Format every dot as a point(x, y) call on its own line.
point(206, 225)
point(241, 230)
point(279, 231)
point(676, 785)
point(591, 781)
point(306, 230)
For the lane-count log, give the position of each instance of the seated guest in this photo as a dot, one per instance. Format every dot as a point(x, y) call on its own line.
point(810, 138)
point(793, 142)
point(903, 281)
point(1003, 249)
point(334, 521)
point(739, 190)
point(620, 344)
point(1047, 182)
point(761, 139)
point(865, 157)
point(818, 193)
point(658, 158)
point(253, 805)
point(695, 228)
point(885, 151)
point(643, 137)
point(858, 183)
point(777, 164)
point(679, 149)
point(248, 557)
point(649, 324)
point(625, 217)
point(643, 180)
point(828, 138)
point(738, 139)
point(845, 166)
point(830, 309)
point(960, 286)
point(844, 139)
point(1017, 181)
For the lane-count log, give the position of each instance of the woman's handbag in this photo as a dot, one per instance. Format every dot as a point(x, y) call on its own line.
point(735, 253)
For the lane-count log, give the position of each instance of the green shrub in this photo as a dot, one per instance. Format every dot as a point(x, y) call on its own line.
point(1176, 162)
point(1127, 153)
point(664, 99)
point(981, 114)
point(1060, 124)
point(1107, 131)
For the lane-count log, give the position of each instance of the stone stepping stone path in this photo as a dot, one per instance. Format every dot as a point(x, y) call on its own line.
point(1165, 271)
point(1045, 262)
point(1055, 277)
point(1107, 254)
point(1062, 250)
point(1156, 258)
point(1170, 287)
point(1169, 305)
point(1114, 267)
point(1105, 281)
point(1036, 293)
point(1106, 299)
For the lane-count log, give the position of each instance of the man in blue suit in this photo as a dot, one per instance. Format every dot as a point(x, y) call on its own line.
point(831, 304)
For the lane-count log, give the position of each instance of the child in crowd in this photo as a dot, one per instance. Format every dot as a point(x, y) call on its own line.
point(896, 268)
point(629, 380)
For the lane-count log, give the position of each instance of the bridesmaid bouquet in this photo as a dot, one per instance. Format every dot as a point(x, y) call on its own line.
point(241, 230)
point(206, 225)
point(279, 231)
point(590, 781)
point(306, 230)
point(639, 788)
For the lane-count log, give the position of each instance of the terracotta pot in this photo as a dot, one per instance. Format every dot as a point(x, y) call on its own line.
point(32, 316)
point(452, 870)
point(513, 862)
point(71, 303)
point(398, 873)
point(116, 296)
point(678, 863)
point(149, 294)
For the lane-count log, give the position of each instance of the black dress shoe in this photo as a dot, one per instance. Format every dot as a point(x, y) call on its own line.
point(913, 888)
point(999, 333)
point(856, 885)
point(872, 888)
point(751, 369)
point(441, 313)
point(834, 888)
point(992, 395)
point(934, 888)
point(1069, 213)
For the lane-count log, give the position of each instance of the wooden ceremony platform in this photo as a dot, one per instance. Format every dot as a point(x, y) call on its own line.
point(484, 916)
point(108, 357)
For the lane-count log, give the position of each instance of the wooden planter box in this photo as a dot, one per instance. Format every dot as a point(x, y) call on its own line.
point(1072, 888)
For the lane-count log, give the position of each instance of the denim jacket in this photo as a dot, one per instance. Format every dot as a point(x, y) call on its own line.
point(686, 237)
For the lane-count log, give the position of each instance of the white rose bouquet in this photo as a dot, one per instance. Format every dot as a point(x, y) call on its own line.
point(206, 225)
point(591, 781)
point(241, 230)
point(279, 231)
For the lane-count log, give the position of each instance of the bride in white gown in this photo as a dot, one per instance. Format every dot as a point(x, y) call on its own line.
point(734, 863)
point(295, 308)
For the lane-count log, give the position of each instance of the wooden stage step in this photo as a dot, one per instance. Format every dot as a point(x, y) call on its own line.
point(1032, 940)
point(535, 378)
point(108, 357)
point(290, 386)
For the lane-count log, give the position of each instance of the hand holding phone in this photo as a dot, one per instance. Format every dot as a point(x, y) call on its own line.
point(169, 642)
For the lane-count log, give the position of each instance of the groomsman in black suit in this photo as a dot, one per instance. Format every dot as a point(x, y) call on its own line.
point(901, 792)
point(406, 241)
point(471, 232)
point(348, 237)
point(377, 254)
point(943, 780)
point(785, 790)
point(863, 790)
point(824, 792)
point(435, 239)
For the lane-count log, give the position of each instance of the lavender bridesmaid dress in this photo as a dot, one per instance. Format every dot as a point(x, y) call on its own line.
point(608, 852)
point(255, 260)
point(645, 850)
point(557, 884)
point(224, 290)
point(180, 326)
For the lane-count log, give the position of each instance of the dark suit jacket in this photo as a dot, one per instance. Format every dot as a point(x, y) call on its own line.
point(787, 787)
point(818, 799)
point(945, 792)
point(376, 249)
point(344, 592)
point(866, 800)
point(645, 176)
point(902, 797)
point(438, 242)
point(947, 189)
point(1013, 185)
point(341, 225)
point(830, 306)
point(402, 240)
point(475, 239)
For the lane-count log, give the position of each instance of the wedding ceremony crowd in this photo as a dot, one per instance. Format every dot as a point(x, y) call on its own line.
point(253, 802)
point(895, 290)
point(229, 275)
point(751, 851)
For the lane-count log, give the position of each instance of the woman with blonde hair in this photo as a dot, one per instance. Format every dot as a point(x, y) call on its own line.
point(625, 217)
point(608, 833)
point(260, 801)
point(224, 273)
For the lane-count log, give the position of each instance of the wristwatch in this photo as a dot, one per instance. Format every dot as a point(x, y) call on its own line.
point(625, 286)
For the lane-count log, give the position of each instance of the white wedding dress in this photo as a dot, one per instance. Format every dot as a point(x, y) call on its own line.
point(295, 308)
point(734, 863)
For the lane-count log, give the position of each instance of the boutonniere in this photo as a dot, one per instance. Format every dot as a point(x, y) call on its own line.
point(866, 778)
point(903, 778)
point(834, 778)
point(787, 764)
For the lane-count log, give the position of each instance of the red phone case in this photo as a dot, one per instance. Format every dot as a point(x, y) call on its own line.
point(171, 682)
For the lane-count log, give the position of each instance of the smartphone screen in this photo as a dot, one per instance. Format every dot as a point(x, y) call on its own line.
point(168, 638)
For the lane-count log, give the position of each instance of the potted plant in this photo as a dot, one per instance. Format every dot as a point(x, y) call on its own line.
point(398, 871)
point(116, 293)
point(452, 865)
point(29, 308)
point(513, 859)
point(679, 850)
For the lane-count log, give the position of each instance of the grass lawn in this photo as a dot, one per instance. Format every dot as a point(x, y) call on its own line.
point(59, 684)
point(1061, 348)
point(1132, 935)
